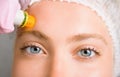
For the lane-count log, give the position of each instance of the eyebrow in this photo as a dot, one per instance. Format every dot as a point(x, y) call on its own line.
point(35, 33)
point(78, 37)
point(85, 36)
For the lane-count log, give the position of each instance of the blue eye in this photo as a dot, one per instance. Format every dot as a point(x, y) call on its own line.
point(87, 53)
point(32, 49)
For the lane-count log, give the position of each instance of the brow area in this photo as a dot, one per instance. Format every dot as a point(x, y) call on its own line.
point(34, 33)
point(74, 38)
point(81, 37)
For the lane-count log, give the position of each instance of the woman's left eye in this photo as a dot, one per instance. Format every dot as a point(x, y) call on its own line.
point(86, 53)
point(32, 50)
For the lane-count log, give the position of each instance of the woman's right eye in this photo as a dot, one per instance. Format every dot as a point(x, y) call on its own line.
point(32, 50)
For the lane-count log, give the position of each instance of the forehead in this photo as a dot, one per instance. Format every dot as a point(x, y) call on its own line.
point(61, 19)
point(61, 15)
point(51, 10)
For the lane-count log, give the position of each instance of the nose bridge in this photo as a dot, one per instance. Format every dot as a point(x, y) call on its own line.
point(57, 64)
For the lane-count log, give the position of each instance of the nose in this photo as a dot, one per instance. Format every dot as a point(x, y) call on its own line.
point(57, 68)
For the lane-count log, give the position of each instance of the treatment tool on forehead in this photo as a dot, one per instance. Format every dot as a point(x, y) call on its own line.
point(23, 19)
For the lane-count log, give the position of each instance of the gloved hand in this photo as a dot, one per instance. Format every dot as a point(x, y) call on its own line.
point(24, 4)
point(8, 9)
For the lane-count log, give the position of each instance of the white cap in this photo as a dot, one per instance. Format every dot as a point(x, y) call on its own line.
point(19, 18)
point(20, 15)
point(33, 1)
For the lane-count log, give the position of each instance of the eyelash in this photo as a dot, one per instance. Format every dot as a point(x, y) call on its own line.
point(84, 58)
point(24, 49)
point(78, 51)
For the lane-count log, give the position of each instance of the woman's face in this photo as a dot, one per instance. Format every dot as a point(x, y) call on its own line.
point(68, 40)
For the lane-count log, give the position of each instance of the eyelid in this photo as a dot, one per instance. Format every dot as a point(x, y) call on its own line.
point(85, 46)
point(92, 48)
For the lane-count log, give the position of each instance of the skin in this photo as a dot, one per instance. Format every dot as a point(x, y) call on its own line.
point(62, 31)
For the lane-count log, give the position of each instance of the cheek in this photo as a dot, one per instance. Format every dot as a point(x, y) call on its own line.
point(91, 70)
point(28, 68)
point(101, 67)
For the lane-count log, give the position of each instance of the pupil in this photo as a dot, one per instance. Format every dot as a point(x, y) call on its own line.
point(34, 50)
point(86, 52)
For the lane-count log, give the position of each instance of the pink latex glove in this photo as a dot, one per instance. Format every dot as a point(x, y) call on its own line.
point(24, 4)
point(8, 9)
